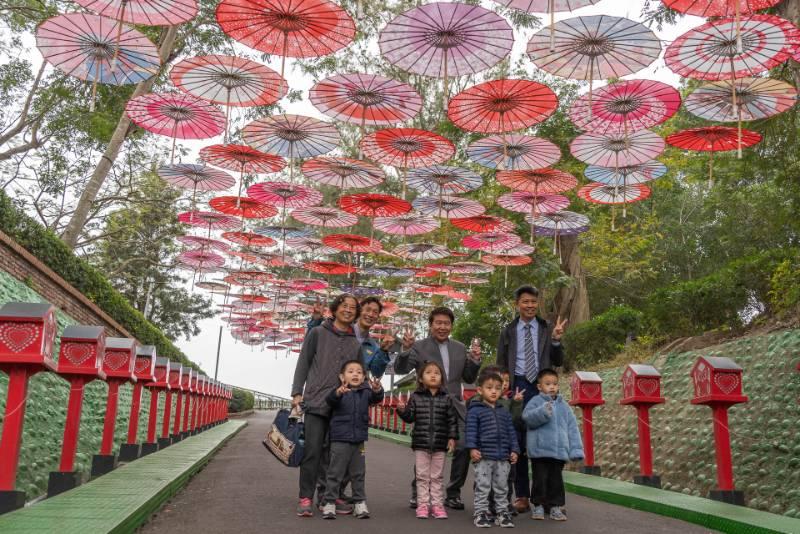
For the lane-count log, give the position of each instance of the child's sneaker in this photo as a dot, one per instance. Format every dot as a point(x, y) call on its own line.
point(343, 507)
point(482, 520)
point(422, 511)
point(438, 512)
point(304, 508)
point(361, 511)
point(504, 521)
point(329, 511)
point(538, 512)
point(556, 514)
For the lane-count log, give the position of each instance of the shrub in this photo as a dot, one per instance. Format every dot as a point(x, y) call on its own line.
point(784, 291)
point(602, 337)
point(241, 400)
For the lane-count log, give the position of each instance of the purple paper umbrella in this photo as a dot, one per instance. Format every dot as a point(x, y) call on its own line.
point(422, 251)
point(514, 152)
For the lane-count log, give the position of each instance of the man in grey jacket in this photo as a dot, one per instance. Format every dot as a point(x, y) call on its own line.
point(459, 365)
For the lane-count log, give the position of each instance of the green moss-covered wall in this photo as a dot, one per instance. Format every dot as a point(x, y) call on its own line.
point(765, 432)
point(46, 411)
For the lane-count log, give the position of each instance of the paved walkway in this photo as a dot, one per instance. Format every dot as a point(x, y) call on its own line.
point(244, 489)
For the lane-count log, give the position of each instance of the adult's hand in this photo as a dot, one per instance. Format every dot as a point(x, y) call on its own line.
point(408, 339)
point(475, 350)
point(316, 310)
point(558, 329)
point(387, 341)
point(296, 400)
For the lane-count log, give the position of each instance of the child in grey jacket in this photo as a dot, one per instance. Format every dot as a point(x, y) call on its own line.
point(552, 440)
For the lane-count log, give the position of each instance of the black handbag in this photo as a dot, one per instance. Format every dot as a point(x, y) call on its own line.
point(286, 437)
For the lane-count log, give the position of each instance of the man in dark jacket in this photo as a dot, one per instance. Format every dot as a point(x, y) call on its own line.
point(459, 365)
point(526, 346)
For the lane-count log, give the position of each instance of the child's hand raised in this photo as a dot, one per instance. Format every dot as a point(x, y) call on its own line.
point(519, 396)
point(375, 384)
point(401, 404)
point(475, 455)
point(514, 457)
point(341, 390)
point(451, 446)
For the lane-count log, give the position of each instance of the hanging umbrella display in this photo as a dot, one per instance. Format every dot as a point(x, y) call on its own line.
point(448, 207)
point(611, 194)
point(344, 173)
point(241, 158)
point(532, 204)
point(176, 115)
point(483, 223)
point(617, 150)
point(633, 174)
point(561, 222)
point(756, 98)
point(288, 28)
point(500, 106)
point(537, 181)
point(351, 243)
point(195, 177)
point(444, 180)
point(713, 139)
point(284, 194)
point(228, 80)
point(199, 259)
point(245, 208)
point(144, 12)
point(502, 260)
point(309, 244)
point(209, 219)
point(592, 48)
point(407, 148)
point(445, 40)
point(249, 239)
point(514, 152)
point(203, 243)
point(550, 7)
point(407, 224)
point(625, 106)
point(329, 267)
point(324, 216)
point(491, 241)
point(291, 136)
point(422, 251)
point(374, 205)
point(97, 49)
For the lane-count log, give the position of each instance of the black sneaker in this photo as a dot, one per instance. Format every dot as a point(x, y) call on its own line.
point(482, 520)
point(504, 521)
point(454, 502)
point(412, 503)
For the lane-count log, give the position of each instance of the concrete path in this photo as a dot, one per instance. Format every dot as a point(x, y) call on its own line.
point(244, 489)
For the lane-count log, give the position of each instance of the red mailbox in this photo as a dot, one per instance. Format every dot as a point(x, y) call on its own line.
point(186, 382)
point(718, 384)
point(641, 387)
point(144, 371)
point(160, 381)
point(80, 361)
point(118, 364)
point(27, 334)
point(587, 392)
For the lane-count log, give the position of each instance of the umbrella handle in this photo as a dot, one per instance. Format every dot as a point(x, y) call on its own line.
point(113, 64)
point(444, 84)
point(552, 9)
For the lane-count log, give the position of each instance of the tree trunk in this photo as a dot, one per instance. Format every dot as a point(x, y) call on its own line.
point(572, 302)
point(81, 215)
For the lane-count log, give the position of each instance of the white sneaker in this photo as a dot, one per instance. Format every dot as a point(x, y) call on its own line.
point(361, 511)
point(329, 511)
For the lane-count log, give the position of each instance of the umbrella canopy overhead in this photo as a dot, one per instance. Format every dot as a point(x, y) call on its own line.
point(617, 150)
point(209, 220)
point(407, 147)
point(292, 136)
point(441, 179)
point(249, 239)
point(756, 98)
point(324, 216)
point(514, 152)
point(406, 224)
point(612, 194)
point(718, 8)
point(422, 251)
point(197, 177)
point(351, 243)
point(177, 115)
point(344, 173)
point(284, 194)
point(246, 208)
point(144, 12)
point(483, 223)
point(634, 174)
point(374, 205)
point(713, 138)
point(448, 207)
point(538, 181)
point(526, 202)
point(241, 158)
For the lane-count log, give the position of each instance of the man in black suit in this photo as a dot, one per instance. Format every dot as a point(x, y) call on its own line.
point(526, 346)
point(459, 366)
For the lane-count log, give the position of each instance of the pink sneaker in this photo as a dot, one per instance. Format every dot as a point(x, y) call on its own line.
point(422, 511)
point(438, 512)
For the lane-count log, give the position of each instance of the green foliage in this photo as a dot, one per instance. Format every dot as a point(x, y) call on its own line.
point(602, 337)
point(51, 251)
point(784, 290)
point(241, 401)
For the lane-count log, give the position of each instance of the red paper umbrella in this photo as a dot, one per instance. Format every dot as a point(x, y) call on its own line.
point(324, 216)
point(713, 139)
point(483, 223)
point(241, 158)
point(246, 208)
point(249, 239)
point(506, 261)
point(343, 173)
point(203, 242)
point(374, 205)
point(352, 243)
point(500, 106)
point(365, 99)
point(408, 148)
point(491, 241)
point(209, 219)
point(289, 28)
point(514, 152)
point(617, 150)
point(176, 115)
point(201, 259)
point(329, 267)
point(422, 251)
point(406, 224)
point(308, 284)
point(449, 207)
point(626, 106)
point(284, 194)
point(538, 181)
point(718, 8)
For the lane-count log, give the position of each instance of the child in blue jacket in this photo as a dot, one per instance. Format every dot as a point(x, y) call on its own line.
point(552, 440)
point(493, 447)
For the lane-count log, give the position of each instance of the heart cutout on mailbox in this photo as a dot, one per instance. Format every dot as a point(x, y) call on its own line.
point(78, 353)
point(726, 382)
point(591, 390)
point(142, 364)
point(115, 359)
point(648, 386)
point(18, 336)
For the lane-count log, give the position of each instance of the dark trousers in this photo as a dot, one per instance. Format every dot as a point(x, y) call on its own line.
point(459, 467)
point(548, 482)
point(346, 459)
point(521, 480)
point(314, 462)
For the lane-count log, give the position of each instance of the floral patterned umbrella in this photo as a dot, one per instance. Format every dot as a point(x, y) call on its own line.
point(344, 173)
point(617, 150)
point(499, 106)
point(446, 39)
point(243, 207)
point(441, 179)
point(176, 115)
point(324, 216)
point(483, 223)
point(634, 174)
point(407, 224)
point(514, 152)
point(422, 251)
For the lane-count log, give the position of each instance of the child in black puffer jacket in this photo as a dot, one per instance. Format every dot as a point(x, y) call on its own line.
point(435, 432)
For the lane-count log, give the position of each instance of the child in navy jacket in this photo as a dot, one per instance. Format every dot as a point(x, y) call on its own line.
point(493, 448)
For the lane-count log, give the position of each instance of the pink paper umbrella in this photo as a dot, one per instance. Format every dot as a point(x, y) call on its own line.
point(324, 216)
point(228, 80)
point(344, 173)
point(533, 204)
point(144, 12)
point(203, 243)
point(199, 258)
point(241, 158)
point(176, 115)
point(537, 181)
point(407, 224)
point(422, 251)
point(491, 241)
point(626, 106)
point(617, 150)
point(550, 7)
point(284, 194)
point(196, 178)
point(309, 244)
point(446, 39)
point(85, 46)
point(209, 220)
point(514, 152)
point(610, 194)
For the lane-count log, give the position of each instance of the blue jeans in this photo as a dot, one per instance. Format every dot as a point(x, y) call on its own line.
point(522, 485)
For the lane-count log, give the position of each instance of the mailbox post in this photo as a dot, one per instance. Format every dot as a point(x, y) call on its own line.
point(587, 392)
point(641, 388)
point(195, 403)
point(718, 385)
point(144, 370)
point(179, 432)
point(160, 381)
point(80, 361)
point(118, 365)
point(27, 334)
point(174, 381)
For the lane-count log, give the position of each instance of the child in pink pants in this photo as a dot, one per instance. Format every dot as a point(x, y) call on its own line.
point(435, 432)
